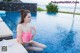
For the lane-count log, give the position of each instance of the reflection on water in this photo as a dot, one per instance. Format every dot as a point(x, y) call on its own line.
point(51, 13)
point(52, 30)
point(68, 41)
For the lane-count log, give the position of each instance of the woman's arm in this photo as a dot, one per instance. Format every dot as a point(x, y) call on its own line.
point(19, 34)
point(34, 30)
point(33, 34)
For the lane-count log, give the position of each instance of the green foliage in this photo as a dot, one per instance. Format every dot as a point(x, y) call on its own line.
point(40, 9)
point(52, 8)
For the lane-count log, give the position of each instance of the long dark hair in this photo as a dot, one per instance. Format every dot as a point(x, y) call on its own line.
point(23, 14)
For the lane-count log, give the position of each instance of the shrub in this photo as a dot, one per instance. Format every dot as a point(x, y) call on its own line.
point(52, 8)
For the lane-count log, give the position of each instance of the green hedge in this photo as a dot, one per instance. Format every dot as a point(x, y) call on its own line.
point(40, 9)
point(52, 8)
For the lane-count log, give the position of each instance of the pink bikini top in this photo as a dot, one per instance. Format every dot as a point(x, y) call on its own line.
point(26, 37)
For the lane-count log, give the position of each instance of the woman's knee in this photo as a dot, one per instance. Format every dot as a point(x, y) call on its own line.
point(38, 49)
point(44, 46)
point(37, 44)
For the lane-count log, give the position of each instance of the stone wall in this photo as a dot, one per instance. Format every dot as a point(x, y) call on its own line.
point(17, 6)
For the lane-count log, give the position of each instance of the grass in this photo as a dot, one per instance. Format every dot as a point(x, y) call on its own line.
point(69, 12)
point(40, 9)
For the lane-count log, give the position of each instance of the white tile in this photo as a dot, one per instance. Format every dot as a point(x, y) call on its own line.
point(4, 30)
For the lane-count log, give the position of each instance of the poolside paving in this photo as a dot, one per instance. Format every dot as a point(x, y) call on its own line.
point(12, 46)
point(4, 30)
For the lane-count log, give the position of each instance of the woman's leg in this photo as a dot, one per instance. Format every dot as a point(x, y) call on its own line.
point(31, 48)
point(37, 44)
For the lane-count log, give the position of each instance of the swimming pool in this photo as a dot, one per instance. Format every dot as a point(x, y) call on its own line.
point(52, 30)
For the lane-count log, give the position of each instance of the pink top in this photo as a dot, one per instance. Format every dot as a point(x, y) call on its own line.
point(26, 37)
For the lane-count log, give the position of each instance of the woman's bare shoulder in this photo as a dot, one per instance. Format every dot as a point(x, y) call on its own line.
point(19, 26)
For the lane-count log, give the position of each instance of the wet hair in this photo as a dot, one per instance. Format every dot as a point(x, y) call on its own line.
point(23, 14)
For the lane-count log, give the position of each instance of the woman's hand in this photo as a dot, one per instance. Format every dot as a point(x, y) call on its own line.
point(30, 41)
point(20, 42)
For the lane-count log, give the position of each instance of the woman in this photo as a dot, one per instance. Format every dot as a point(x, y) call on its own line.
point(25, 28)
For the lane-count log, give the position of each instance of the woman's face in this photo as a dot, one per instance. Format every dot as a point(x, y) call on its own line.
point(27, 19)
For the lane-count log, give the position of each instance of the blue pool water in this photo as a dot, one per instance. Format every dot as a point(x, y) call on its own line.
point(53, 30)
